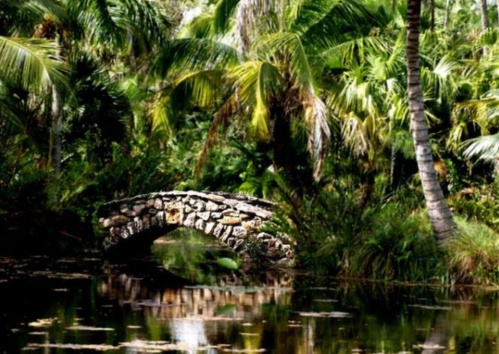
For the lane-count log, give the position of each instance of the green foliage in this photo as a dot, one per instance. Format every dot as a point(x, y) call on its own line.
point(473, 253)
point(228, 263)
point(383, 241)
point(478, 203)
point(396, 244)
point(251, 97)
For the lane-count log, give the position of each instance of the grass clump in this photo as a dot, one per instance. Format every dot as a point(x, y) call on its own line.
point(396, 244)
point(473, 253)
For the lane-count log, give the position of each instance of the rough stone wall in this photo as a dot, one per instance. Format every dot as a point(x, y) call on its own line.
point(236, 220)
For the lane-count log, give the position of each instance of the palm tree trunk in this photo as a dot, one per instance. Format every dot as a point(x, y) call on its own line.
point(447, 14)
point(395, 169)
point(440, 215)
point(484, 14)
point(56, 138)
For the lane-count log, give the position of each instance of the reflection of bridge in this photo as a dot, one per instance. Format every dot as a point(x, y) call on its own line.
point(236, 220)
point(203, 302)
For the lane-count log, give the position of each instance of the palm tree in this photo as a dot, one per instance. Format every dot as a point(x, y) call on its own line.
point(31, 64)
point(482, 4)
point(267, 65)
point(118, 31)
point(440, 215)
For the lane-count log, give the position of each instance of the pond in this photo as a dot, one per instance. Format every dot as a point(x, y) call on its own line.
point(198, 305)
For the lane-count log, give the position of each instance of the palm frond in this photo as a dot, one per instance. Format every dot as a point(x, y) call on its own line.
point(199, 27)
point(355, 48)
point(315, 111)
point(34, 63)
point(201, 88)
point(256, 82)
point(328, 22)
point(224, 10)
point(114, 21)
point(10, 120)
point(193, 54)
point(484, 147)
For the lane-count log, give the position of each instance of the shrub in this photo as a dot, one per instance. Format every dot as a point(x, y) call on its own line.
point(473, 253)
point(396, 244)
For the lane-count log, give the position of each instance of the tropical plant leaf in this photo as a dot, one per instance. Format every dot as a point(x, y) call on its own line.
point(34, 63)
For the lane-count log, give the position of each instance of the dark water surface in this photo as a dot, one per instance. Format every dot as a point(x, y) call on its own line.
point(85, 305)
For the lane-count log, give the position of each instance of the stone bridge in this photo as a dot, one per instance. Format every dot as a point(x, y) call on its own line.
point(239, 221)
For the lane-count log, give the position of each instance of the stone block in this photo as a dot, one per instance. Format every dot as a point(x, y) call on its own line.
point(131, 227)
point(200, 206)
point(158, 204)
point(216, 215)
point(107, 223)
point(161, 218)
point(153, 211)
point(247, 208)
point(218, 230)
point(200, 223)
point(240, 232)
point(204, 215)
point(138, 209)
point(230, 221)
point(150, 203)
point(174, 205)
point(210, 227)
point(227, 233)
point(124, 233)
point(139, 225)
point(214, 197)
point(210, 206)
point(119, 220)
point(190, 220)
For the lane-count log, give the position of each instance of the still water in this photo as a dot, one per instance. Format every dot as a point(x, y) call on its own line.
point(86, 305)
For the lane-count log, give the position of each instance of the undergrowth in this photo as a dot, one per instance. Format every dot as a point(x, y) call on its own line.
point(388, 242)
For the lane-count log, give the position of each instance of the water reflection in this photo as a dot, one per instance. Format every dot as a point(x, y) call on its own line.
point(139, 307)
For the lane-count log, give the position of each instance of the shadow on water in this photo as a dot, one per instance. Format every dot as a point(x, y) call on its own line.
point(198, 306)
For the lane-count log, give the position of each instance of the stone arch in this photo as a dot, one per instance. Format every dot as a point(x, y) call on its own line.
point(236, 220)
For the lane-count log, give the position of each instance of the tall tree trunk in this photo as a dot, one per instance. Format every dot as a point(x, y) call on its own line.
point(56, 140)
point(394, 5)
point(395, 169)
point(484, 14)
point(447, 14)
point(440, 215)
point(497, 5)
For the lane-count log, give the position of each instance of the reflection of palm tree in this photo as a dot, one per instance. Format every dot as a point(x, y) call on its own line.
point(437, 341)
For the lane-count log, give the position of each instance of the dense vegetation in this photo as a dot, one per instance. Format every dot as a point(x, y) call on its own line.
point(305, 102)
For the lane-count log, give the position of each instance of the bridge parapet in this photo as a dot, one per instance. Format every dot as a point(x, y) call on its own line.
point(239, 221)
